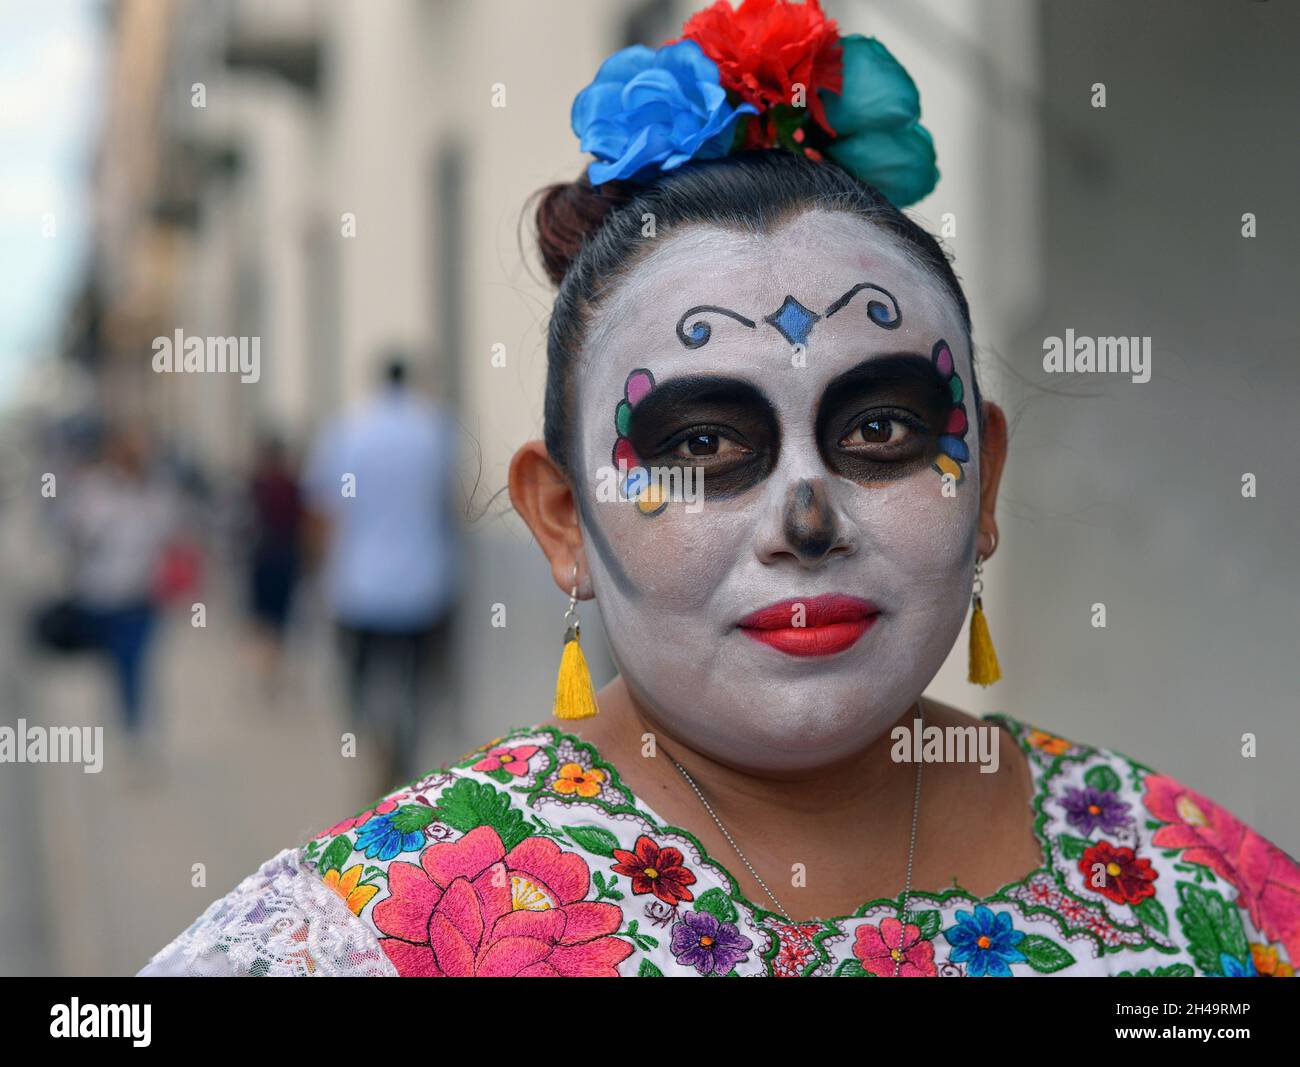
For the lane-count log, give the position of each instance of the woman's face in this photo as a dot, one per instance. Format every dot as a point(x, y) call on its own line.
point(815, 384)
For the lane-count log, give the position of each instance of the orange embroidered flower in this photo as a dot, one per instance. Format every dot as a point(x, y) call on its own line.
point(1267, 963)
point(1049, 743)
point(346, 885)
point(575, 778)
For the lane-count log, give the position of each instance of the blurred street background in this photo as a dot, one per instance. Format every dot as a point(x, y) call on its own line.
point(337, 179)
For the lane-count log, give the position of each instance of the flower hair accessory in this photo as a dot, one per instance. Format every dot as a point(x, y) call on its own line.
point(768, 74)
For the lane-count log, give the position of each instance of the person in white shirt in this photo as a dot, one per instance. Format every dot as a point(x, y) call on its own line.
point(383, 482)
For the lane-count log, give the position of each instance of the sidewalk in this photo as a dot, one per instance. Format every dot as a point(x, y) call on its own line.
point(115, 852)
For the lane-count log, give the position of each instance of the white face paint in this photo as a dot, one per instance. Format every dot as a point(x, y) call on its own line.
point(807, 521)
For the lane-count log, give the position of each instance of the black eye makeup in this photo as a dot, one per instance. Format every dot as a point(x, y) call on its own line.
point(724, 427)
point(881, 420)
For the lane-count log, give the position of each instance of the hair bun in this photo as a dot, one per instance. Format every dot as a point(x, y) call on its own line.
point(570, 212)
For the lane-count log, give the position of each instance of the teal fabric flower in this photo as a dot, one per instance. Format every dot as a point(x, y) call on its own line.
point(877, 119)
point(651, 110)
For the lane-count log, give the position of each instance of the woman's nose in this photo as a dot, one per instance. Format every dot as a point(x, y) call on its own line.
point(806, 525)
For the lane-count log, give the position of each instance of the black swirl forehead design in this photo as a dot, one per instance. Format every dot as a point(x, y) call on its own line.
point(792, 320)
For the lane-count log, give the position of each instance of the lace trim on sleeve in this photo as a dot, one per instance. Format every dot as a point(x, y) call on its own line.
point(281, 920)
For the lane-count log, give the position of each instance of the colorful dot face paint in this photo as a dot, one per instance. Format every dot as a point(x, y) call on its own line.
point(952, 443)
point(820, 498)
point(633, 477)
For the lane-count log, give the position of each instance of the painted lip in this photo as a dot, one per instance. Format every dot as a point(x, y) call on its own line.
point(832, 623)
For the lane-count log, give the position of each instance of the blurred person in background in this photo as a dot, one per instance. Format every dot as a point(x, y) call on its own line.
point(380, 484)
point(276, 519)
point(122, 520)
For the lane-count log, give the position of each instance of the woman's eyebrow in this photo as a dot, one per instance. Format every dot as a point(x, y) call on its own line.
point(669, 395)
point(893, 368)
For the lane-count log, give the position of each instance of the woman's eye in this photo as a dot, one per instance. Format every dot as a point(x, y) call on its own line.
point(708, 445)
point(879, 430)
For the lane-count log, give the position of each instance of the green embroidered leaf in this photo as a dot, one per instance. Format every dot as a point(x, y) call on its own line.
point(1153, 825)
point(929, 922)
point(501, 775)
point(372, 871)
point(470, 803)
point(649, 970)
point(1152, 913)
point(1212, 926)
point(1044, 954)
point(717, 904)
point(1072, 848)
point(593, 839)
point(1174, 970)
point(411, 818)
point(333, 858)
point(1103, 778)
point(852, 968)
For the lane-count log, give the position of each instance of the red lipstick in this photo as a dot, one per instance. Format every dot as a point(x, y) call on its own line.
point(830, 623)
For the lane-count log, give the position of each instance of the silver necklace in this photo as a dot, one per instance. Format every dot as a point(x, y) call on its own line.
point(911, 851)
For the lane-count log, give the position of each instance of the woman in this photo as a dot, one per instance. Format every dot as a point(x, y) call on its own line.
point(767, 458)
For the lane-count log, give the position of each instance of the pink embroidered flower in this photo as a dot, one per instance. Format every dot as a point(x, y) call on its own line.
point(1266, 878)
point(382, 808)
point(515, 760)
point(879, 948)
point(471, 908)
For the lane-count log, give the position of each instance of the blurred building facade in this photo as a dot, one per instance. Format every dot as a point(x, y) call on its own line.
point(336, 178)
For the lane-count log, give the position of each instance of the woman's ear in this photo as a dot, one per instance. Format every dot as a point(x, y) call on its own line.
point(993, 454)
point(543, 496)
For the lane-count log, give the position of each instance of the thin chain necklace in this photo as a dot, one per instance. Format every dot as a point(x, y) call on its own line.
point(911, 853)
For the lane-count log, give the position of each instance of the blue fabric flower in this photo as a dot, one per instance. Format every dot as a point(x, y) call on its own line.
point(651, 110)
point(986, 941)
point(877, 120)
point(380, 839)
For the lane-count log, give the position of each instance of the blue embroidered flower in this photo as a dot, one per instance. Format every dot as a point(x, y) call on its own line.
point(653, 110)
point(1235, 968)
point(380, 839)
point(986, 941)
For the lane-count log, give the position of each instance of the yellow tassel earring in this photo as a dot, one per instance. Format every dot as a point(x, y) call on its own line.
point(984, 668)
point(574, 696)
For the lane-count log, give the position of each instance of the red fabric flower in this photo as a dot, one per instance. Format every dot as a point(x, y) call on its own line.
point(1128, 879)
point(764, 48)
point(655, 870)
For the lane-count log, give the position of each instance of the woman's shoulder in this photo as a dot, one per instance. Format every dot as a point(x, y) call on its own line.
point(1146, 840)
point(280, 921)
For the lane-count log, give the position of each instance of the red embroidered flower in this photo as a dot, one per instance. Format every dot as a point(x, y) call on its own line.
point(881, 949)
point(655, 870)
point(1126, 878)
point(765, 49)
point(1266, 878)
point(473, 909)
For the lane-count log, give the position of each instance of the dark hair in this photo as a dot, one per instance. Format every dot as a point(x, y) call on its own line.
point(590, 238)
point(395, 370)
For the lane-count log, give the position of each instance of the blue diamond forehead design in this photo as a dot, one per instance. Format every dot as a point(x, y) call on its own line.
point(793, 320)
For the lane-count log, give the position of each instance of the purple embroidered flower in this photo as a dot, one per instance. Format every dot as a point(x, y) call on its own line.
point(1088, 808)
point(710, 946)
